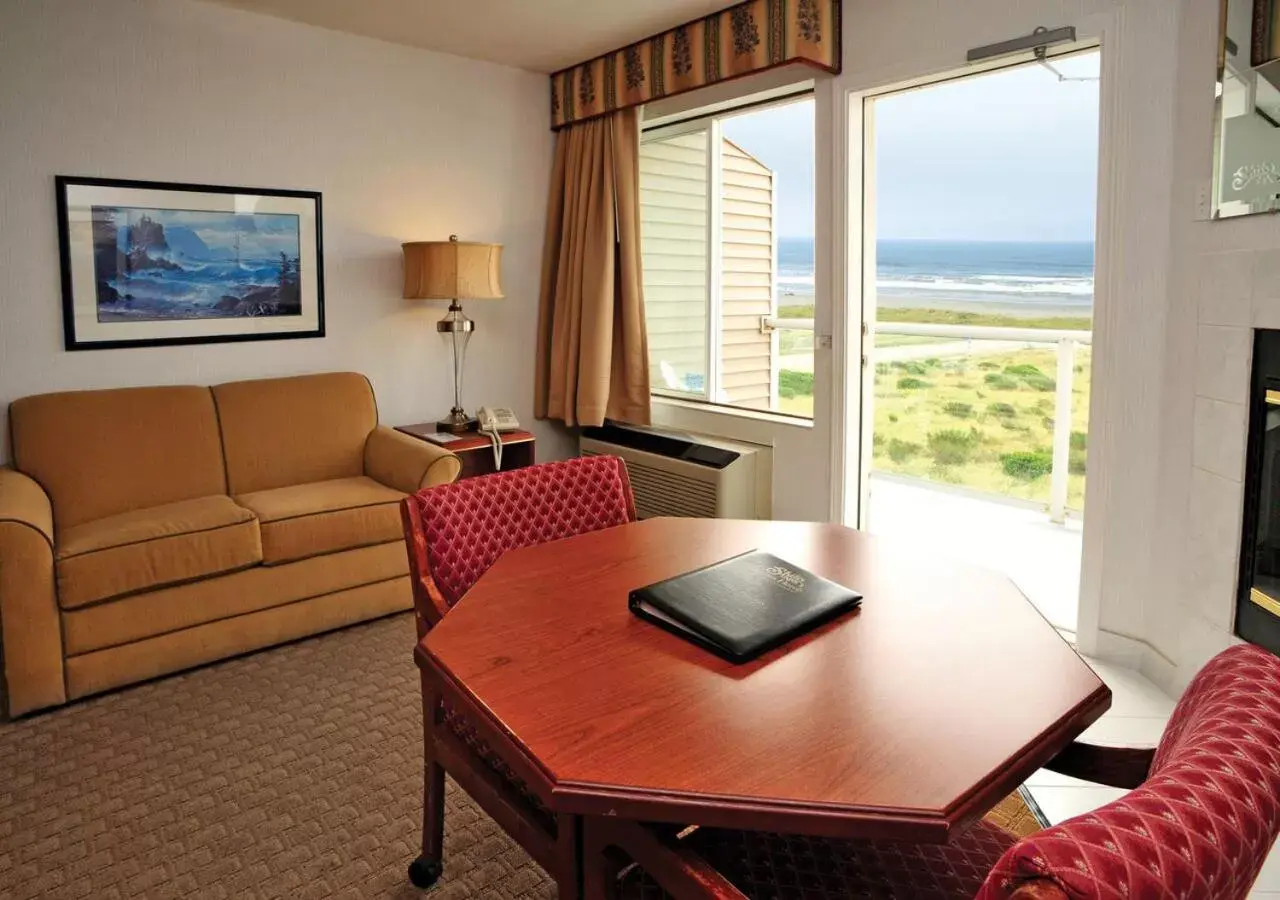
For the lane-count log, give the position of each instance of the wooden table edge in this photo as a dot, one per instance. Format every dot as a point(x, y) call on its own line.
point(972, 806)
point(831, 819)
point(747, 813)
point(524, 763)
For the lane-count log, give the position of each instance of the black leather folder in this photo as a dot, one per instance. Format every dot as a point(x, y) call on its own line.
point(743, 606)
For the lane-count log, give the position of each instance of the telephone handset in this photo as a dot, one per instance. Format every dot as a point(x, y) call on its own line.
point(492, 421)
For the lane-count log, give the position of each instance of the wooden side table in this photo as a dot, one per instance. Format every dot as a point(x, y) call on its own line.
point(475, 451)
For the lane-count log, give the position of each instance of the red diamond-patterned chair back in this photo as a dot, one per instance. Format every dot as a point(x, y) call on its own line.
point(1201, 825)
point(455, 532)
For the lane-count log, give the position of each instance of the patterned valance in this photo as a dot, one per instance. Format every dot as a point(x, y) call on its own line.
point(750, 37)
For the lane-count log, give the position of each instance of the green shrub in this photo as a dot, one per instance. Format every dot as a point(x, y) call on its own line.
point(792, 383)
point(914, 368)
point(952, 446)
point(988, 366)
point(958, 410)
point(882, 368)
point(1024, 370)
point(901, 451)
point(933, 362)
point(893, 417)
point(910, 383)
point(1042, 383)
point(1079, 440)
point(1048, 422)
point(946, 474)
point(1002, 410)
point(1027, 465)
point(1076, 461)
point(1014, 425)
point(1000, 382)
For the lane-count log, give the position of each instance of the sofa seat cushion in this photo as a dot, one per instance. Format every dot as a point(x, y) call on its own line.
point(307, 520)
point(154, 547)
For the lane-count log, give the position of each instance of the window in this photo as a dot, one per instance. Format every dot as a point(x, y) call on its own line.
point(726, 225)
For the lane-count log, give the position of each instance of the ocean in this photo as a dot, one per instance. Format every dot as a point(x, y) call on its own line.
point(1031, 279)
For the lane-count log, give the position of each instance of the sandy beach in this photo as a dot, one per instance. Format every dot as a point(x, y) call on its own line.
point(1028, 306)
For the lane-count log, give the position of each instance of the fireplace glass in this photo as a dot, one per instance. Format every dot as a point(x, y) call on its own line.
point(1258, 604)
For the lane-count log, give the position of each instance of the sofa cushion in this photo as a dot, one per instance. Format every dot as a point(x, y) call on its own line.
point(140, 616)
point(101, 453)
point(324, 517)
point(278, 432)
point(154, 547)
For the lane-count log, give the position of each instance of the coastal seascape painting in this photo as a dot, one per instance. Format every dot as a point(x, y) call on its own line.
point(176, 264)
point(148, 263)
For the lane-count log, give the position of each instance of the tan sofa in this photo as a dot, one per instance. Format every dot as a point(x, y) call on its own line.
point(146, 530)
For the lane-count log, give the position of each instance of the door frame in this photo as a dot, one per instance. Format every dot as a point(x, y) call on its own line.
point(851, 441)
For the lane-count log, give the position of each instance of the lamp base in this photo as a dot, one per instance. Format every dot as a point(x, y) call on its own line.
point(457, 422)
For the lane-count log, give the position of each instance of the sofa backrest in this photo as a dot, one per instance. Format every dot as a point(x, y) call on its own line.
point(283, 431)
point(99, 453)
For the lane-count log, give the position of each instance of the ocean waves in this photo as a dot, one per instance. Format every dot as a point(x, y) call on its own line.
point(990, 284)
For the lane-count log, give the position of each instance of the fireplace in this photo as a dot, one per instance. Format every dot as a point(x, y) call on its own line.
point(1258, 602)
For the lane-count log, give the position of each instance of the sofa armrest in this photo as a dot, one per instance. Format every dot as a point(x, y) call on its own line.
point(406, 463)
point(30, 629)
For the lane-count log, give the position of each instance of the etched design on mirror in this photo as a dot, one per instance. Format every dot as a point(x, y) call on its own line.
point(1255, 173)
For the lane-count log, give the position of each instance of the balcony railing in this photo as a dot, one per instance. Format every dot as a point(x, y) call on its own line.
point(973, 337)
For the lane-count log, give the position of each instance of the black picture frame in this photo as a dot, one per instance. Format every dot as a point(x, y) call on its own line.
point(308, 285)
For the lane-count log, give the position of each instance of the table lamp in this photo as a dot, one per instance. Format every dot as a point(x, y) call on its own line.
point(453, 270)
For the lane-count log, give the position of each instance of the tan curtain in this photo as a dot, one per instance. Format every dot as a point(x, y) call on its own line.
point(593, 355)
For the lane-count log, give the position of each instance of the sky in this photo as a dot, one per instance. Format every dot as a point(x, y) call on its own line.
point(268, 233)
point(1008, 156)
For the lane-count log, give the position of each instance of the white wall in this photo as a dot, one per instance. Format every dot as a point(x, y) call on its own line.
point(1227, 281)
point(404, 145)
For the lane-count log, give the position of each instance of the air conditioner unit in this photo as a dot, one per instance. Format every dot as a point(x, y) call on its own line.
point(678, 474)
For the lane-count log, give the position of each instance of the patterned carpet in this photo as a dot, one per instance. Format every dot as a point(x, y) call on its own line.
point(295, 772)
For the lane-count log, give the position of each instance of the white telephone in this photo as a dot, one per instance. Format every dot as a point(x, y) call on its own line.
point(493, 421)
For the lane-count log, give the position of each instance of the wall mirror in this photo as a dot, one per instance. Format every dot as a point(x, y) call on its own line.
point(1246, 174)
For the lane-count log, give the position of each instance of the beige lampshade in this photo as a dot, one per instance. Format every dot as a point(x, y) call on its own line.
point(452, 270)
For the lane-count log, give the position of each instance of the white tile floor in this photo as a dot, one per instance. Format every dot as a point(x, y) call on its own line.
point(1137, 717)
point(1042, 558)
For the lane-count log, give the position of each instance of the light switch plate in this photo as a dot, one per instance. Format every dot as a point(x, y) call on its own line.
point(1204, 210)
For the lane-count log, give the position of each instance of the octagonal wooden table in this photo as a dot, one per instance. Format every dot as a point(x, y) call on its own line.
point(909, 719)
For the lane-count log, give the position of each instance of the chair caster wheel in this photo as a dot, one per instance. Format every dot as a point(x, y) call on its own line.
point(424, 872)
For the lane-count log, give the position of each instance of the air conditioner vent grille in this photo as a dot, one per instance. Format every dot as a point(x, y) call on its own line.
point(663, 493)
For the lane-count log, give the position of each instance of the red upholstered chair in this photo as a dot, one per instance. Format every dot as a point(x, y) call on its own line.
point(454, 533)
point(1203, 813)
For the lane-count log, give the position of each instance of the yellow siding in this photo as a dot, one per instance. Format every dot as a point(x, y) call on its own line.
point(673, 214)
point(747, 285)
point(673, 249)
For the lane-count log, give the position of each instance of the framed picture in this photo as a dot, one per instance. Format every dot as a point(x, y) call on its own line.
point(152, 263)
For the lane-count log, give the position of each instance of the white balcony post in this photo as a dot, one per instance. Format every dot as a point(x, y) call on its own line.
point(1062, 431)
